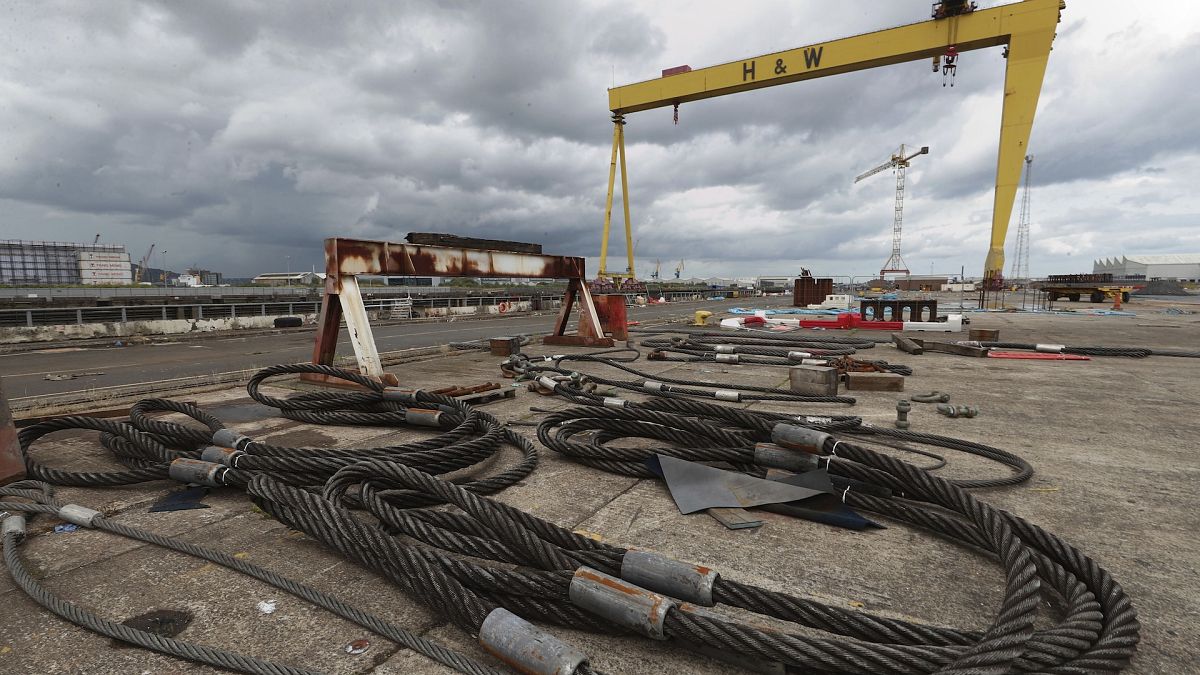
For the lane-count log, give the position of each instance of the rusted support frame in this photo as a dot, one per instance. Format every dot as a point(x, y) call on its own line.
point(345, 259)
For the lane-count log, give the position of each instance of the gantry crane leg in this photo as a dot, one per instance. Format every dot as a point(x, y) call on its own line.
point(618, 152)
point(1028, 52)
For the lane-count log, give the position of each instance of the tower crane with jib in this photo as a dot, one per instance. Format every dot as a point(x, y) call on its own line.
point(141, 270)
point(1024, 29)
point(899, 164)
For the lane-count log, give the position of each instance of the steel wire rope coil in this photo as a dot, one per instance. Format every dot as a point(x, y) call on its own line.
point(147, 445)
point(752, 349)
point(1098, 631)
point(700, 432)
point(752, 346)
point(1130, 352)
point(539, 594)
point(484, 343)
point(863, 341)
point(221, 658)
point(744, 357)
point(769, 393)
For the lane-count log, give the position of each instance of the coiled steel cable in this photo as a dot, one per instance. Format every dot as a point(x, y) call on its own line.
point(1097, 625)
point(858, 341)
point(46, 504)
point(421, 551)
point(1130, 352)
point(811, 358)
point(147, 446)
point(524, 364)
point(1092, 633)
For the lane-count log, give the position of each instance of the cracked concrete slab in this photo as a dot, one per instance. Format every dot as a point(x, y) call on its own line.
point(1111, 440)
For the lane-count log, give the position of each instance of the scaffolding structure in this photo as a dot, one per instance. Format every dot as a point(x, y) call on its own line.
point(58, 262)
point(1020, 263)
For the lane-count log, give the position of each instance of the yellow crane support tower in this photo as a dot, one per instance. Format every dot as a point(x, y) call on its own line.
point(1026, 30)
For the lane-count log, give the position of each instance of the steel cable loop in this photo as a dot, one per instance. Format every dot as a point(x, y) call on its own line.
point(1130, 352)
point(147, 446)
point(923, 659)
point(137, 445)
point(377, 469)
point(391, 631)
point(690, 425)
point(1096, 635)
point(1075, 639)
point(1119, 636)
point(722, 582)
point(757, 347)
point(752, 392)
point(763, 337)
point(485, 343)
point(762, 422)
point(1180, 353)
point(527, 364)
point(504, 529)
point(1082, 623)
point(79, 616)
point(662, 354)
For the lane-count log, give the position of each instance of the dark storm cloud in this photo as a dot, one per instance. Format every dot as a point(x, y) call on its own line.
point(244, 132)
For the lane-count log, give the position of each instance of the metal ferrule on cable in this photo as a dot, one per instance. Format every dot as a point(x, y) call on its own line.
point(625, 604)
point(230, 439)
point(199, 472)
point(795, 437)
point(526, 647)
point(680, 580)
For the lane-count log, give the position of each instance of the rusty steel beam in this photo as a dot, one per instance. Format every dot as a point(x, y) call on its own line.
point(346, 257)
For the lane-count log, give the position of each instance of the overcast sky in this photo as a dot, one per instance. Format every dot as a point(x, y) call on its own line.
point(238, 134)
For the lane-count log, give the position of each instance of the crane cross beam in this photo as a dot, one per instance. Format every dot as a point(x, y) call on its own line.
point(1026, 28)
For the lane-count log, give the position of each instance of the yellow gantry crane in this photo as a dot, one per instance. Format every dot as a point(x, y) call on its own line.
point(1025, 29)
point(899, 164)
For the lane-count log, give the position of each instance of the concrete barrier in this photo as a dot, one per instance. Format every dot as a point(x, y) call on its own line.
point(14, 335)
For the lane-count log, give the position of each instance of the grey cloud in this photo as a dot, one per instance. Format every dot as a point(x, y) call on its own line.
point(248, 131)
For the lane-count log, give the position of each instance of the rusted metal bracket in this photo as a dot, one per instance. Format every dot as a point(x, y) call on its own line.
point(345, 259)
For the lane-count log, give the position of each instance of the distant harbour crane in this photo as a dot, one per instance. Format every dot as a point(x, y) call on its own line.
point(1020, 264)
point(899, 164)
point(141, 270)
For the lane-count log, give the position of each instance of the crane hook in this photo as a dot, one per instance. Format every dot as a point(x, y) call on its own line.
point(949, 65)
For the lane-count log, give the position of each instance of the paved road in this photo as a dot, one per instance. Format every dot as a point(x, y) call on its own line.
point(24, 373)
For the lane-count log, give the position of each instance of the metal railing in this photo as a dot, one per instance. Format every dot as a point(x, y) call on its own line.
point(60, 316)
point(394, 307)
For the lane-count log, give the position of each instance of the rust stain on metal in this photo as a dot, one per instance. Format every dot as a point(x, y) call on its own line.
point(656, 600)
point(357, 256)
point(612, 583)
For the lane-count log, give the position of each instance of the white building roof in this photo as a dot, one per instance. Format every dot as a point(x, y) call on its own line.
point(1167, 259)
point(1163, 259)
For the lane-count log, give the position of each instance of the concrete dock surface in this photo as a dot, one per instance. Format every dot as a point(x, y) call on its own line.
point(1112, 441)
